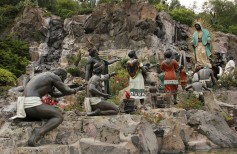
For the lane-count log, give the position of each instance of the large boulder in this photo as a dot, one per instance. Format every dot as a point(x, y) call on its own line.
point(214, 127)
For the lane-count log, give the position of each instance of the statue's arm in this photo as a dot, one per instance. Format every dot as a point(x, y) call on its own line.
point(112, 61)
point(93, 90)
point(63, 88)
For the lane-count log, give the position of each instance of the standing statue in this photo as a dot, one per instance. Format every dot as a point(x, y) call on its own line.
point(31, 106)
point(201, 42)
point(94, 58)
point(136, 79)
point(169, 66)
point(97, 103)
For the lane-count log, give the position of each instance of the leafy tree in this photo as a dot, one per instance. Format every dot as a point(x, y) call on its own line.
point(223, 14)
point(174, 4)
point(183, 15)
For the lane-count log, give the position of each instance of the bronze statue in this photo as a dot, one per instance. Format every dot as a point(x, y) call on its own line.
point(94, 58)
point(31, 106)
point(99, 106)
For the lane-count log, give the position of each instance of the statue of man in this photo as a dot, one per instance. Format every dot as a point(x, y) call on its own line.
point(201, 42)
point(94, 58)
point(197, 88)
point(31, 106)
point(99, 106)
point(206, 76)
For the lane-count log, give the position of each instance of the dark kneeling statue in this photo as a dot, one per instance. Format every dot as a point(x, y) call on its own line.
point(97, 98)
point(31, 106)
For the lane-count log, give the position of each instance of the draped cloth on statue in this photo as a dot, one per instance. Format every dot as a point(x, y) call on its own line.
point(171, 81)
point(202, 47)
point(136, 80)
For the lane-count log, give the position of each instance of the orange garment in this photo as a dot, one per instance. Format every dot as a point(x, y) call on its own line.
point(183, 77)
point(170, 82)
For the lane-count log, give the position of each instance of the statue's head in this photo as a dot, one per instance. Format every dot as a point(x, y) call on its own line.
point(132, 54)
point(62, 73)
point(198, 26)
point(168, 53)
point(98, 68)
point(93, 52)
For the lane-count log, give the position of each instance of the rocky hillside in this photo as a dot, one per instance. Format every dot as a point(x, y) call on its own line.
point(115, 29)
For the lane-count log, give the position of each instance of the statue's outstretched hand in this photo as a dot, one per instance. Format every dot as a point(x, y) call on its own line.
point(112, 74)
point(107, 96)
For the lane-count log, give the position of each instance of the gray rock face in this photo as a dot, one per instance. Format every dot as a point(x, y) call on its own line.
point(214, 127)
point(103, 134)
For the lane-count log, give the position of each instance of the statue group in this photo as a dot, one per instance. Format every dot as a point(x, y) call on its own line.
point(97, 77)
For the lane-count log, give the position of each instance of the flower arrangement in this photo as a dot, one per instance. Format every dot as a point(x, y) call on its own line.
point(47, 99)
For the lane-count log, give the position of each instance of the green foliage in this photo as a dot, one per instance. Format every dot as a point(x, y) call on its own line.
point(74, 59)
point(174, 4)
point(223, 14)
point(228, 81)
point(227, 117)
point(14, 56)
point(75, 71)
point(66, 8)
point(80, 100)
point(183, 15)
point(233, 29)
point(189, 101)
point(120, 81)
point(4, 90)
point(7, 15)
point(161, 7)
point(7, 78)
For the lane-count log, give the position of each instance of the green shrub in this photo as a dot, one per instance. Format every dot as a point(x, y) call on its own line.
point(7, 15)
point(119, 82)
point(161, 7)
point(183, 15)
point(4, 90)
point(66, 8)
point(14, 56)
point(233, 29)
point(7, 78)
point(85, 10)
point(75, 71)
point(189, 101)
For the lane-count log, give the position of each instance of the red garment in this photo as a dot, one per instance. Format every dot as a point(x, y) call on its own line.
point(183, 78)
point(170, 75)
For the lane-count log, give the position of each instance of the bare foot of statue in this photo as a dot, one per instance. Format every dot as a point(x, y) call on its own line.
point(80, 113)
point(94, 113)
point(34, 137)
